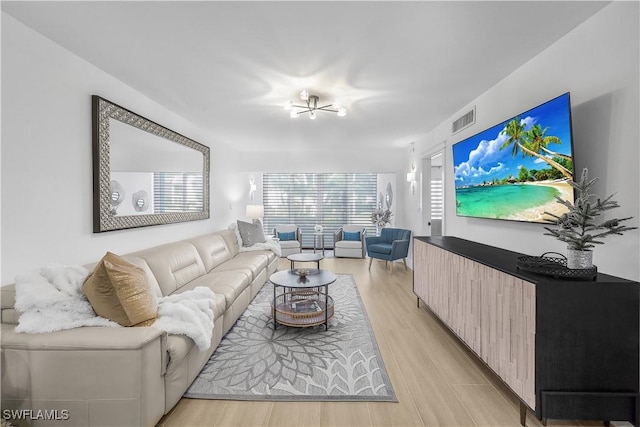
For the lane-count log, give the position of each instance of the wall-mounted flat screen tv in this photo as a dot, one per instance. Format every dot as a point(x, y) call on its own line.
point(515, 170)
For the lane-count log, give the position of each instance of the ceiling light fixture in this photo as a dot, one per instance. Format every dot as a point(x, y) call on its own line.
point(311, 106)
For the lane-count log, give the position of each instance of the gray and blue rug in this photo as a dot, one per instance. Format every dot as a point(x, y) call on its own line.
point(256, 362)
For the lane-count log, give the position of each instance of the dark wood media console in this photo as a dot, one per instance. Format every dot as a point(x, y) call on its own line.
point(569, 349)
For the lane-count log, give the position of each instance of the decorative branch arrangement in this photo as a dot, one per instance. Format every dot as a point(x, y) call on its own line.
point(381, 217)
point(579, 227)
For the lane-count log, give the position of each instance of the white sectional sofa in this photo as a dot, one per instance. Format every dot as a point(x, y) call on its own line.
point(130, 376)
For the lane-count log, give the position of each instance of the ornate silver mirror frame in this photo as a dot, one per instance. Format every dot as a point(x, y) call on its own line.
point(107, 120)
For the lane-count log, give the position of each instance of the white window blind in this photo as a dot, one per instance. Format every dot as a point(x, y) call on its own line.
point(178, 192)
point(437, 199)
point(329, 199)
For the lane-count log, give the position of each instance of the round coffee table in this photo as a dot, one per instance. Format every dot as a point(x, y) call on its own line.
point(305, 258)
point(302, 300)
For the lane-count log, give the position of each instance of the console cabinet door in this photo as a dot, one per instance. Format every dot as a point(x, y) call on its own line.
point(508, 326)
point(491, 311)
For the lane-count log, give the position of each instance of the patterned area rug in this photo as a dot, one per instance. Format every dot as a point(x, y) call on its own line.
point(256, 362)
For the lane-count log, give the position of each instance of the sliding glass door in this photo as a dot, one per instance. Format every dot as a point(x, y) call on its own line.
point(328, 199)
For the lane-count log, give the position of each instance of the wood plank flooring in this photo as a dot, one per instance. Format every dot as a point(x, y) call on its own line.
point(437, 381)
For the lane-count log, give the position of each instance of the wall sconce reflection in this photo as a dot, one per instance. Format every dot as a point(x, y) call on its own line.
point(140, 201)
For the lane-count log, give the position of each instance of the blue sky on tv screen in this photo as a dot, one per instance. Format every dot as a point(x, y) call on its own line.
point(479, 158)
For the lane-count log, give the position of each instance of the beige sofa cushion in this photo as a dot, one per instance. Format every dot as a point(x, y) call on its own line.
point(230, 284)
point(119, 291)
point(250, 263)
point(213, 249)
point(173, 264)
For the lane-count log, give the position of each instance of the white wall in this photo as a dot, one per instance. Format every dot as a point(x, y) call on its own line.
point(320, 161)
point(47, 161)
point(598, 62)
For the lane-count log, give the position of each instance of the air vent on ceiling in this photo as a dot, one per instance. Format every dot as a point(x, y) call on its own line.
point(466, 120)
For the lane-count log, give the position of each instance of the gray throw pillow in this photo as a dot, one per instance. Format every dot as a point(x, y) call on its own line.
point(251, 233)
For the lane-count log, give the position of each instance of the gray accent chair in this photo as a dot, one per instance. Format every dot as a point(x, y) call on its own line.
point(349, 248)
point(289, 247)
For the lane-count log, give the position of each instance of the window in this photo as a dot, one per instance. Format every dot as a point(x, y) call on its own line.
point(328, 199)
point(178, 192)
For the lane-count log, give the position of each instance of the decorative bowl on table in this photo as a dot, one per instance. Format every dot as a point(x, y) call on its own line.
point(302, 272)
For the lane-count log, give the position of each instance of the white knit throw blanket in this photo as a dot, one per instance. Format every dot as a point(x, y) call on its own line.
point(268, 245)
point(51, 299)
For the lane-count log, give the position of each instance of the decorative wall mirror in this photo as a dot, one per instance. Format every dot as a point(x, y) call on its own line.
point(143, 173)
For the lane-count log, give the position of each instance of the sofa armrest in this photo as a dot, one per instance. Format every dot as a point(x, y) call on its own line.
point(88, 338)
point(100, 375)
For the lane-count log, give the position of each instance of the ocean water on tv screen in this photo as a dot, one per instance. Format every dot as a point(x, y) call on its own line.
point(502, 201)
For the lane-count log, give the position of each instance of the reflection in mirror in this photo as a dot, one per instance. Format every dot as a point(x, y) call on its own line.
point(144, 173)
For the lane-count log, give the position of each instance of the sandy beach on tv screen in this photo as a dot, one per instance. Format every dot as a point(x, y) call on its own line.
point(538, 213)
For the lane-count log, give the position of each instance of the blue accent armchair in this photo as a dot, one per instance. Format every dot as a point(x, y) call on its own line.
point(392, 244)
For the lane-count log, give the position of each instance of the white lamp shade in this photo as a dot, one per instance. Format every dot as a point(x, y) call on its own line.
point(411, 177)
point(255, 211)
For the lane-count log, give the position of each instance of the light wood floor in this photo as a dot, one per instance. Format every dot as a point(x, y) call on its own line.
point(436, 380)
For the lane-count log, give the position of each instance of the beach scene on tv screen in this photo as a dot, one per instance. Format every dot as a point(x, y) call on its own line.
point(516, 169)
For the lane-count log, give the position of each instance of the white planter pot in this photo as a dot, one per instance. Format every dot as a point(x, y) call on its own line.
point(579, 259)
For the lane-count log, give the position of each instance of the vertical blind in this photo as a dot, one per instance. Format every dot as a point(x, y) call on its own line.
point(178, 192)
point(329, 199)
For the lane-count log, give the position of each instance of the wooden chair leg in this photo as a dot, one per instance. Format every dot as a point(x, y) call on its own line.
point(391, 264)
point(370, 261)
point(404, 261)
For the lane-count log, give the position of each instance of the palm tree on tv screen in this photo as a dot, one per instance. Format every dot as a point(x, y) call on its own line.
point(539, 140)
point(518, 140)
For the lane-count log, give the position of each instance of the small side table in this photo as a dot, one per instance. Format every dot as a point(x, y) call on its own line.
point(318, 242)
point(305, 257)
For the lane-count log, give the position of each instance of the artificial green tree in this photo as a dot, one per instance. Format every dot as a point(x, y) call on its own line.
point(579, 228)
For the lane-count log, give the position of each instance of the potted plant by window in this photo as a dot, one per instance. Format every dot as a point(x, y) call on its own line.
point(580, 228)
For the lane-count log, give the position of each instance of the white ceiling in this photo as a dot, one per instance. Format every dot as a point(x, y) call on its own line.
point(400, 68)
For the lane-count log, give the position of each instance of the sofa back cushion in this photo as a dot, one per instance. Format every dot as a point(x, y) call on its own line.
point(214, 249)
point(231, 240)
point(350, 228)
point(173, 264)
